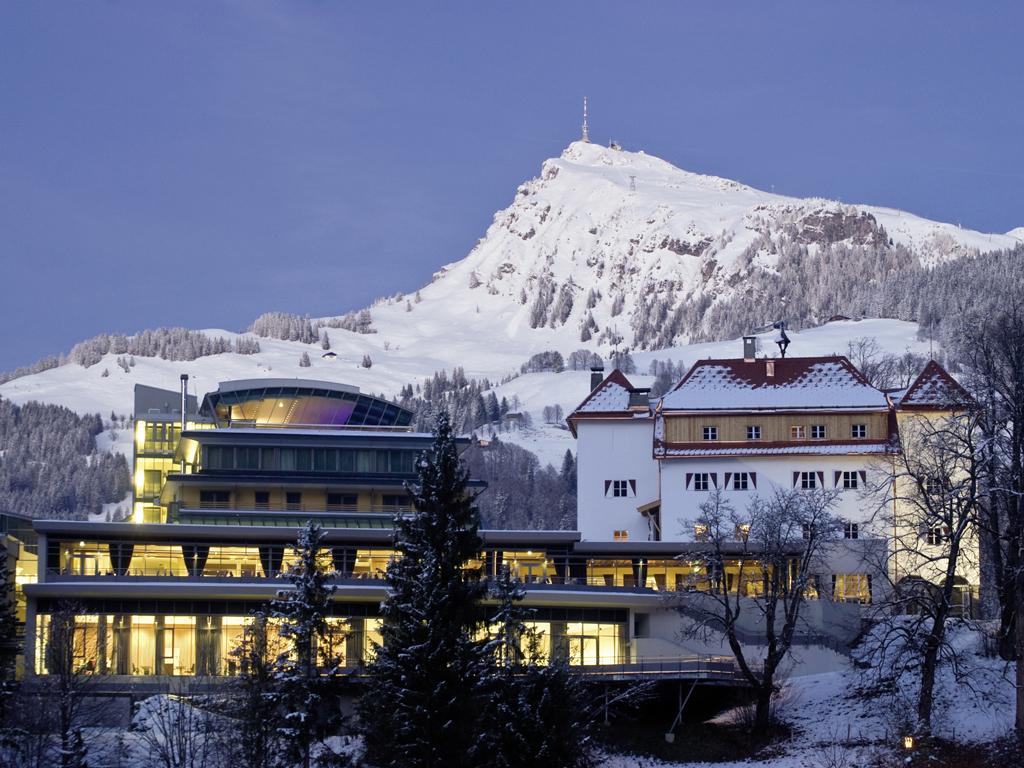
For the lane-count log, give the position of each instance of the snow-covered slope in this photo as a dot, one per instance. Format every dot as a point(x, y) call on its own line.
point(88, 390)
point(601, 231)
point(573, 262)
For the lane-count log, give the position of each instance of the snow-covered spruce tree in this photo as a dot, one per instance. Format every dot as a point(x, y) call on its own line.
point(9, 646)
point(420, 708)
point(535, 710)
point(307, 711)
point(254, 700)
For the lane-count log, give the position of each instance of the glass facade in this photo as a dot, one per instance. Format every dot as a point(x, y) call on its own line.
point(145, 645)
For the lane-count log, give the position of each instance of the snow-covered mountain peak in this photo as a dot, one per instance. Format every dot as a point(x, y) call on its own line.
point(606, 244)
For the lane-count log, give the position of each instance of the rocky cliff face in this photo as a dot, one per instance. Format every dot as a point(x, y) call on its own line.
point(610, 247)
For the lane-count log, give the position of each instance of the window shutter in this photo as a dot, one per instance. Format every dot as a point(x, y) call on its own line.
point(796, 479)
point(821, 479)
point(714, 479)
point(607, 485)
point(728, 476)
point(753, 479)
point(833, 586)
point(870, 598)
point(838, 475)
point(632, 486)
point(863, 476)
point(689, 479)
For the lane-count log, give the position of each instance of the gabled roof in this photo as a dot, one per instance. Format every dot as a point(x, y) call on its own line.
point(609, 399)
point(934, 388)
point(800, 383)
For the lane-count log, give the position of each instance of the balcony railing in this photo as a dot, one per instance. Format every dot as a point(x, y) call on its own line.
point(298, 507)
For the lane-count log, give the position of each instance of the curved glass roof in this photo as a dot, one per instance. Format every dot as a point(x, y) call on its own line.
point(300, 402)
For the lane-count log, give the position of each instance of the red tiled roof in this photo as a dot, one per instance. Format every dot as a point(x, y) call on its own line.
point(797, 382)
point(934, 388)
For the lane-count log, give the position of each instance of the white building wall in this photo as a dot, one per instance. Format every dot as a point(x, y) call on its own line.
point(679, 504)
point(616, 449)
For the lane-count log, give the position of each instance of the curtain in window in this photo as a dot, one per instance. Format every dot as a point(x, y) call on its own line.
point(344, 558)
point(208, 637)
point(270, 558)
point(121, 556)
point(195, 558)
point(120, 651)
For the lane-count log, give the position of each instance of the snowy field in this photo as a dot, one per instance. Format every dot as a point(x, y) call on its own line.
point(835, 723)
point(87, 390)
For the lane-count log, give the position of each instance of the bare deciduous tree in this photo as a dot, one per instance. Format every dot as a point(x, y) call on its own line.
point(931, 502)
point(776, 543)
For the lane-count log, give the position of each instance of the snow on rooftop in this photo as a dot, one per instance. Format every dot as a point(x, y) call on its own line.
point(934, 387)
point(611, 397)
point(770, 384)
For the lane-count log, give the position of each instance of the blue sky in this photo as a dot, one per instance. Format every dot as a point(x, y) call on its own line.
point(198, 163)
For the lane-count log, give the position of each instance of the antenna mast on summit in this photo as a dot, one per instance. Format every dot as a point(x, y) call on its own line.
point(586, 125)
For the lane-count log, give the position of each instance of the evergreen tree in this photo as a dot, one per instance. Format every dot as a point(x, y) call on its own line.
point(302, 691)
point(536, 710)
point(255, 702)
point(9, 646)
point(420, 708)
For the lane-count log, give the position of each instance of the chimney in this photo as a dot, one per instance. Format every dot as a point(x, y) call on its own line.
point(184, 401)
point(749, 348)
point(184, 412)
point(596, 375)
point(769, 368)
point(641, 396)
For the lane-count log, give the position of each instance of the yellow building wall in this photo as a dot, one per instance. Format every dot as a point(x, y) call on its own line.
point(774, 427)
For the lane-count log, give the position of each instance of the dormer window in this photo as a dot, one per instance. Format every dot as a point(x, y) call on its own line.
point(710, 433)
point(817, 431)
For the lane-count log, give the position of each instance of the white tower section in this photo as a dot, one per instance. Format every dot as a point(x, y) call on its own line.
point(586, 125)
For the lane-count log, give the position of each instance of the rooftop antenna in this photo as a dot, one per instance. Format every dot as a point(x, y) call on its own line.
point(586, 125)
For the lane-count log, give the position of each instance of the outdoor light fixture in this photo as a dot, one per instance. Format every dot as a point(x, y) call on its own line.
point(908, 742)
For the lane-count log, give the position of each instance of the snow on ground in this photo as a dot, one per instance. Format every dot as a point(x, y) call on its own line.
point(87, 390)
point(829, 714)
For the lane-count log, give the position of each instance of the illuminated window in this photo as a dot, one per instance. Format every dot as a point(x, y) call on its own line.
point(851, 588)
point(700, 532)
point(936, 535)
point(620, 535)
point(591, 643)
